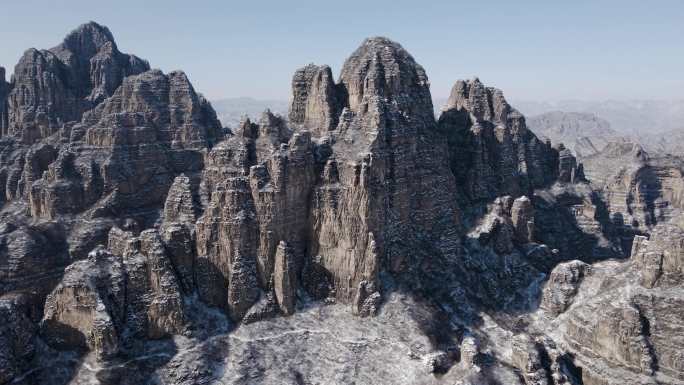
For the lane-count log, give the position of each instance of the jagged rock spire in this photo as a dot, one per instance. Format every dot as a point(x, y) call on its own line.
point(492, 152)
point(165, 104)
point(484, 103)
point(53, 87)
point(379, 74)
point(382, 69)
point(84, 41)
point(316, 99)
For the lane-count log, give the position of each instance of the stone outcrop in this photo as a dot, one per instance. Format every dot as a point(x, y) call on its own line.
point(316, 99)
point(17, 336)
point(660, 259)
point(56, 86)
point(87, 309)
point(285, 279)
point(141, 241)
point(568, 169)
point(613, 333)
point(562, 286)
point(156, 304)
point(503, 157)
point(522, 216)
point(112, 298)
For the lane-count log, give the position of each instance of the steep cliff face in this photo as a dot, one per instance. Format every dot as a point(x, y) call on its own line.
point(390, 182)
point(622, 321)
point(87, 308)
point(643, 189)
point(316, 100)
point(54, 87)
point(4, 113)
point(140, 242)
point(359, 182)
point(107, 158)
point(503, 157)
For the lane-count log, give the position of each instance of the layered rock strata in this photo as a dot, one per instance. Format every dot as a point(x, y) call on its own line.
point(53, 87)
point(142, 242)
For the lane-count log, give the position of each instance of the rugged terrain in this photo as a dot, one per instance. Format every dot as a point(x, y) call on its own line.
point(628, 117)
point(357, 240)
point(585, 134)
point(231, 111)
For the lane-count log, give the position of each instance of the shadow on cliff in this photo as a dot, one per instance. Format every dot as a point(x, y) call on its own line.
point(57, 366)
point(479, 287)
point(557, 224)
point(138, 368)
point(650, 188)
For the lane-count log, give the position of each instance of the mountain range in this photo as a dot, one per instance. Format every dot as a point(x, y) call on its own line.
point(352, 237)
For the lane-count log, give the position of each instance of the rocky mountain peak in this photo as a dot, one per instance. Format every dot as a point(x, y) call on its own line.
point(360, 235)
point(316, 100)
point(54, 87)
point(509, 160)
point(484, 103)
point(379, 81)
point(165, 107)
point(87, 40)
point(382, 69)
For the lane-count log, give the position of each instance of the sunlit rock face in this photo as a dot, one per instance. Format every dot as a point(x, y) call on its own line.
point(351, 186)
point(358, 240)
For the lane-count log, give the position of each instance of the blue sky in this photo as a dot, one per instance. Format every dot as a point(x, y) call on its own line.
point(534, 50)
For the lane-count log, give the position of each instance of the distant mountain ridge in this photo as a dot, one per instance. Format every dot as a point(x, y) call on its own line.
point(583, 133)
point(631, 117)
point(231, 110)
point(625, 116)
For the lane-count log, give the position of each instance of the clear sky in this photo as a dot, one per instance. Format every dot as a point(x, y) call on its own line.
point(536, 50)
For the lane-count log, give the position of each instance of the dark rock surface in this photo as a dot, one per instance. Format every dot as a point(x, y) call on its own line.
point(18, 334)
point(4, 113)
point(360, 241)
point(503, 156)
point(56, 86)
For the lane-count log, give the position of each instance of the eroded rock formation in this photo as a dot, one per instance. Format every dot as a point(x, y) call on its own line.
point(56, 86)
point(140, 241)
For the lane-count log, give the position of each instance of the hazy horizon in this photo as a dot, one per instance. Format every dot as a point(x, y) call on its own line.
point(626, 116)
point(535, 50)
